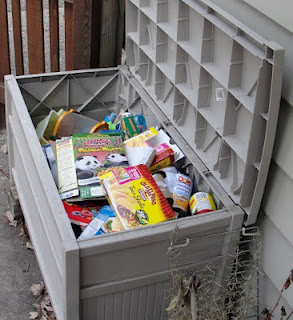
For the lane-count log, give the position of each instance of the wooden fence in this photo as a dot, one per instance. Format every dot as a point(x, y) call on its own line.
point(39, 36)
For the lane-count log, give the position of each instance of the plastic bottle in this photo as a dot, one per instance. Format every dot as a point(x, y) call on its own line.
point(140, 122)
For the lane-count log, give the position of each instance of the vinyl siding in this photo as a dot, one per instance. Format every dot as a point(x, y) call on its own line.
point(283, 149)
point(272, 292)
point(277, 261)
point(279, 11)
point(276, 220)
point(278, 203)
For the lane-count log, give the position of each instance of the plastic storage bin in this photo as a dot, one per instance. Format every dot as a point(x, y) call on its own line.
point(214, 85)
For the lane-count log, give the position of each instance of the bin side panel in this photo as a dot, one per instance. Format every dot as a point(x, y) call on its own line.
point(44, 251)
point(146, 302)
point(71, 278)
point(144, 279)
point(143, 260)
point(138, 253)
point(48, 225)
point(23, 166)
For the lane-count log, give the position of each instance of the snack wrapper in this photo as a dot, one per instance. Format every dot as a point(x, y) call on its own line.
point(94, 227)
point(136, 200)
point(81, 213)
point(112, 225)
point(140, 155)
point(140, 140)
point(164, 157)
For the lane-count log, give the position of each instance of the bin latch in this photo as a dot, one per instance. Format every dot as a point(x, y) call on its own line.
point(176, 246)
point(251, 234)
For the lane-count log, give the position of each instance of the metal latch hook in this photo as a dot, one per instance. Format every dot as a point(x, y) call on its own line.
point(251, 234)
point(187, 240)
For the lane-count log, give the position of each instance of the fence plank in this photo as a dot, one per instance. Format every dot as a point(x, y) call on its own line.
point(54, 35)
point(2, 94)
point(112, 32)
point(120, 31)
point(107, 54)
point(2, 116)
point(17, 37)
point(68, 36)
point(4, 56)
point(4, 49)
point(96, 33)
point(35, 36)
point(82, 14)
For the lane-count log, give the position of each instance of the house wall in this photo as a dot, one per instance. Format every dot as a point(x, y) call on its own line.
point(276, 217)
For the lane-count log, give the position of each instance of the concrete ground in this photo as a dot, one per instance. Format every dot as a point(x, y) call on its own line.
point(18, 266)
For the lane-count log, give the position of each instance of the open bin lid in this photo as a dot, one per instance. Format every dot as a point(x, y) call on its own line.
point(217, 81)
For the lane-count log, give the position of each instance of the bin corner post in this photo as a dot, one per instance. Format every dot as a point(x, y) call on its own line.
point(9, 82)
point(71, 281)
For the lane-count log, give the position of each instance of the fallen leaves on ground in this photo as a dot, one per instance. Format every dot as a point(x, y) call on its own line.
point(10, 218)
point(44, 309)
point(29, 245)
point(37, 290)
point(33, 315)
point(22, 233)
point(4, 149)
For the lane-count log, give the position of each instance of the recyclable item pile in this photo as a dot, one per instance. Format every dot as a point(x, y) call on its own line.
point(117, 174)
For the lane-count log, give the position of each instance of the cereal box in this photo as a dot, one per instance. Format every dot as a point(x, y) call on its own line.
point(82, 158)
point(136, 199)
point(95, 155)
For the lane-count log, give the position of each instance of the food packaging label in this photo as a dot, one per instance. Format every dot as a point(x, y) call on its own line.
point(137, 200)
point(94, 226)
point(182, 191)
point(201, 202)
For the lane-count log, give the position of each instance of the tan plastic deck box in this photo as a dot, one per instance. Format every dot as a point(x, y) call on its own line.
point(214, 86)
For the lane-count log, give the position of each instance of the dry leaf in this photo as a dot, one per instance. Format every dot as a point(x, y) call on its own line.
point(178, 298)
point(44, 315)
point(37, 307)
point(46, 305)
point(266, 312)
point(33, 315)
point(22, 232)
point(52, 316)
point(10, 218)
point(4, 149)
point(29, 245)
point(288, 282)
point(283, 311)
point(37, 290)
point(44, 309)
point(49, 308)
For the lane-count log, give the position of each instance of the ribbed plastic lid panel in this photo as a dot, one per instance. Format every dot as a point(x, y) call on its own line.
point(218, 83)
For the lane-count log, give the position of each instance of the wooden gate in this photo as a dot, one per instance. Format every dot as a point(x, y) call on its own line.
point(39, 36)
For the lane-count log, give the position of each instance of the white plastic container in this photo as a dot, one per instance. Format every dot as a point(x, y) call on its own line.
point(214, 86)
